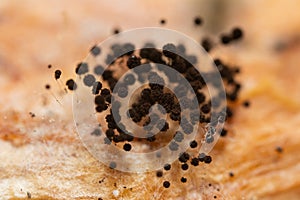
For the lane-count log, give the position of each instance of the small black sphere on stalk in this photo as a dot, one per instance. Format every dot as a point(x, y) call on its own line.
point(159, 173)
point(105, 91)
point(195, 161)
point(57, 74)
point(207, 159)
point(166, 184)
point(193, 144)
point(71, 84)
point(183, 179)
point(237, 33)
point(185, 166)
point(167, 167)
point(127, 147)
point(184, 157)
point(225, 39)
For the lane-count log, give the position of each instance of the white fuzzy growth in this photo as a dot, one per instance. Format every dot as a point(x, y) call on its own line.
point(116, 193)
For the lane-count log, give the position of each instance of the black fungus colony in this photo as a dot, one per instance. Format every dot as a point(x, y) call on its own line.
point(102, 82)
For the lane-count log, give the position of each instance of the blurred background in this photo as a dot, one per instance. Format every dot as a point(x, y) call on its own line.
point(34, 34)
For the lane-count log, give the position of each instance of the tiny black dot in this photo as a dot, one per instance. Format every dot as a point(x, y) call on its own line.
point(183, 179)
point(116, 31)
point(237, 33)
point(195, 161)
point(127, 147)
point(231, 174)
point(57, 74)
point(223, 132)
point(162, 21)
point(198, 21)
point(167, 167)
point(105, 92)
point(184, 157)
point(207, 159)
point(166, 184)
point(193, 144)
point(246, 104)
point(185, 166)
point(47, 86)
point(159, 173)
point(225, 39)
point(49, 66)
